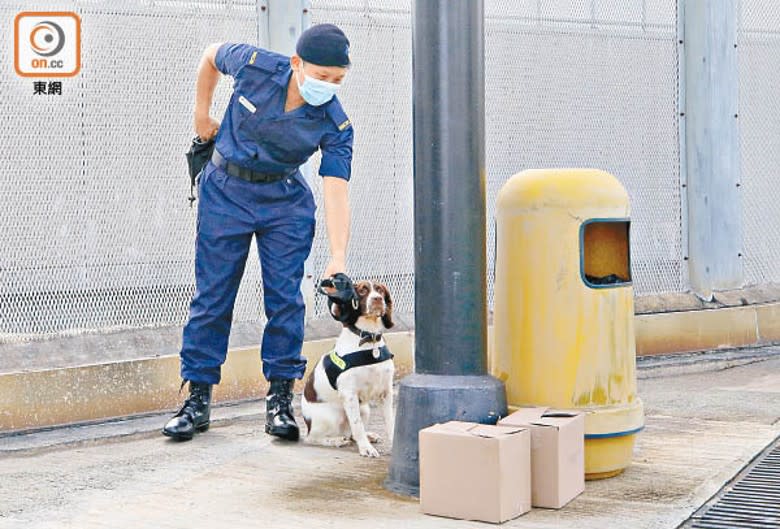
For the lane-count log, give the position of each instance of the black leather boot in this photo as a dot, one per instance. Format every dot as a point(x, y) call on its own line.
point(193, 416)
point(279, 420)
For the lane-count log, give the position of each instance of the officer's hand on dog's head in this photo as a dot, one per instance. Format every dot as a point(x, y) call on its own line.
point(336, 265)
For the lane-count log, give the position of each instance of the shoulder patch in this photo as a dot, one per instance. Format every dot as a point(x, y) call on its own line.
point(337, 115)
point(266, 60)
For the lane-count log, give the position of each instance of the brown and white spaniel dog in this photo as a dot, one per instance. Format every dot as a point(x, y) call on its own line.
point(357, 372)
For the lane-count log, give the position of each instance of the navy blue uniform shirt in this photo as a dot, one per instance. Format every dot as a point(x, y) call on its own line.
point(258, 134)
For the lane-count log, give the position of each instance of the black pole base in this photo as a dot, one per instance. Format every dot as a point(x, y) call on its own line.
point(424, 400)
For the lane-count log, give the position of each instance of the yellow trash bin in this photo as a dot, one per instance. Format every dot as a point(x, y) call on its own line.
point(564, 306)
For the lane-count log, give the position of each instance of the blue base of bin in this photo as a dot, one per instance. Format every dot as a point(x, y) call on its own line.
point(424, 400)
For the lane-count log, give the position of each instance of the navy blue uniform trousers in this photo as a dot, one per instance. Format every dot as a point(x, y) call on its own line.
point(230, 212)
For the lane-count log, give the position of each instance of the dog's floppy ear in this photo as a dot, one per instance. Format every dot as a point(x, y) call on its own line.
point(387, 319)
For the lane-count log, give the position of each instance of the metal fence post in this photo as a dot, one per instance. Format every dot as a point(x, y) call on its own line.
point(712, 156)
point(262, 23)
point(285, 21)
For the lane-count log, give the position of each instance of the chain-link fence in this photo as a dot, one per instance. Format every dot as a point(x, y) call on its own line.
point(592, 84)
point(759, 118)
point(589, 83)
point(378, 98)
point(96, 232)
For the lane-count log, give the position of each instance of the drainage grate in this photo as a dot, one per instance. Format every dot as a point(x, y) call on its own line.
point(751, 501)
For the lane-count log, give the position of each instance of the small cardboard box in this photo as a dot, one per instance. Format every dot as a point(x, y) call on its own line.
point(475, 471)
point(557, 453)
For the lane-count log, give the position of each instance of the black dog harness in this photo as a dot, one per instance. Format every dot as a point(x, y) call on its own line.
point(335, 364)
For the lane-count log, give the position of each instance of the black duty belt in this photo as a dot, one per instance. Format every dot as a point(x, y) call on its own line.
point(244, 173)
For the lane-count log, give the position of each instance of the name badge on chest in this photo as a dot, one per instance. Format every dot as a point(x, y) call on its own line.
point(247, 104)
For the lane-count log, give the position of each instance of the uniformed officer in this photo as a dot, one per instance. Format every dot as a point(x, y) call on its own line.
point(281, 111)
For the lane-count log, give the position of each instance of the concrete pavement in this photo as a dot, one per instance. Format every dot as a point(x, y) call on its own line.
point(707, 417)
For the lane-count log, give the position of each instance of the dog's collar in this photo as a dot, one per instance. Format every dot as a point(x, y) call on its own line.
point(365, 336)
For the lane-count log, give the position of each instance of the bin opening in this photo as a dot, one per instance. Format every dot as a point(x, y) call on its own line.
point(605, 256)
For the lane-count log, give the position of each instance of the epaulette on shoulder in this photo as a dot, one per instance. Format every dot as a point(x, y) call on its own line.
point(337, 115)
point(266, 60)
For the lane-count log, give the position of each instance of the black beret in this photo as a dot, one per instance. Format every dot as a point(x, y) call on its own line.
point(324, 45)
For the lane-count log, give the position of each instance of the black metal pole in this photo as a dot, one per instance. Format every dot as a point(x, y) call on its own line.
point(449, 187)
point(450, 380)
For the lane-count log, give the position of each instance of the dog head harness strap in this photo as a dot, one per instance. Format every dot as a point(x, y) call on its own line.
point(343, 295)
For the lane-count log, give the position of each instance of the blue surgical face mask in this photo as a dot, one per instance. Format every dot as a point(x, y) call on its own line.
point(314, 91)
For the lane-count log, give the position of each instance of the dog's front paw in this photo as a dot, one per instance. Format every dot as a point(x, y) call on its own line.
point(373, 438)
point(368, 451)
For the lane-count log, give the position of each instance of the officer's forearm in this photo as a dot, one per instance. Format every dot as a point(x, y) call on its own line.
point(208, 76)
point(337, 214)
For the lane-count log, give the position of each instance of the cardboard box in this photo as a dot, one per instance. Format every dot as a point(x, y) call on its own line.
point(557, 453)
point(475, 471)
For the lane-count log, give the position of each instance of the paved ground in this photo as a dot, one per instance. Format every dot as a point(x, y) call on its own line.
point(706, 418)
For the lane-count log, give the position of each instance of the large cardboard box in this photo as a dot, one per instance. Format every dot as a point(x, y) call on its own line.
point(475, 471)
point(557, 453)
